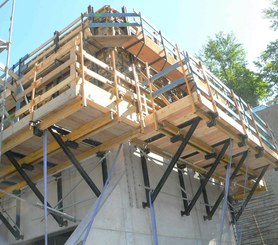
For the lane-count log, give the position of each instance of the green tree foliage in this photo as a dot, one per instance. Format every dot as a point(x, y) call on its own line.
point(226, 58)
point(268, 61)
point(272, 14)
point(268, 66)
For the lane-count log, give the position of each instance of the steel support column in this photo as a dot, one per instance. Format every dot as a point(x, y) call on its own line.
point(239, 213)
point(207, 177)
point(103, 167)
point(146, 180)
point(59, 191)
point(206, 201)
point(31, 184)
point(175, 159)
point(75, 162)
point(183, 194)
point(13, 230)
point(221, 196)
point(18, 207)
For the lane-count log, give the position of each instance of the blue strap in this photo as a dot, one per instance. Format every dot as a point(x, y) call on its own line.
point(153, 220)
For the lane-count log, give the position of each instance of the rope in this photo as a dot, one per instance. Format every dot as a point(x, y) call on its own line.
point(227, 184)
point(153, 220)
point(99, 201)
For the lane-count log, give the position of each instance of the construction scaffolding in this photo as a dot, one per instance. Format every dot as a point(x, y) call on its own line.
point(111, 77)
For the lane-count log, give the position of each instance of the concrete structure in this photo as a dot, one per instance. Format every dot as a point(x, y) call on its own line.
point(122, 220)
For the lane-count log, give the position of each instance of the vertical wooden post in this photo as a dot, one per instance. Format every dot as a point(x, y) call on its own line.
point(138, 95)
point(255, 126)
point(209, 88)
point(73, 73)
point(151, 96)
point(239, 112)
point(34, 85)
point(186, 80)
point(84, 102)
point(272, 139)
point(115, 78)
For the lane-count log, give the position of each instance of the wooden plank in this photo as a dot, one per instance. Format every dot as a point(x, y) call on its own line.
point(59, 109)
point(103, 147)
point(94, 126)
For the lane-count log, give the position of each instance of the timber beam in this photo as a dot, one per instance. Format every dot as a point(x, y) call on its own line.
point(84, 155)
point(166, 128)
point(103, 122)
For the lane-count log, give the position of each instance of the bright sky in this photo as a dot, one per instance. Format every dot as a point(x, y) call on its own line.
point(185, 22)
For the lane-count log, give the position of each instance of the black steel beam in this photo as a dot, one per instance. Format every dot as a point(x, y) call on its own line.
point(206, 201)
point(175, 159)
point(221, 196)
point(248, 198)
point(75, 162)
point(146, 180)
point(207, 177)
point(183, 194)
point(104, 168)
point(13, 230)
point(31, 184)
point(231, 208)
point(18, 208)
point(59, 191)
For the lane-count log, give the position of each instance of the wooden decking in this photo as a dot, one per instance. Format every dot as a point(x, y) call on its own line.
point(99, 101)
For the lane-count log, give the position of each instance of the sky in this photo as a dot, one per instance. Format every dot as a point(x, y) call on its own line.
point(188, 23)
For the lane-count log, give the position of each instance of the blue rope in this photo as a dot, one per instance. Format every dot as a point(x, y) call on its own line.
point(153, 220)
point(99, 201)
point(45, 185)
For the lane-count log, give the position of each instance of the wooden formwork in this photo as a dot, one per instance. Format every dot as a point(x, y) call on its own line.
point(102, 90)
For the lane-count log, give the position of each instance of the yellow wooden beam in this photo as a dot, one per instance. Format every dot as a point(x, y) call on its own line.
point(94, 126)
point(58, 168)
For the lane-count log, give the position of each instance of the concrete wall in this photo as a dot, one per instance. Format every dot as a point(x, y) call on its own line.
point(122, 220)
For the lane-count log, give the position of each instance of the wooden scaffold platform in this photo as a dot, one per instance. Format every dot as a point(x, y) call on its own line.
point(111, 77)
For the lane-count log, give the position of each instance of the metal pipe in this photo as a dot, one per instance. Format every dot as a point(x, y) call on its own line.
point(57, 212)
point(45, 186)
